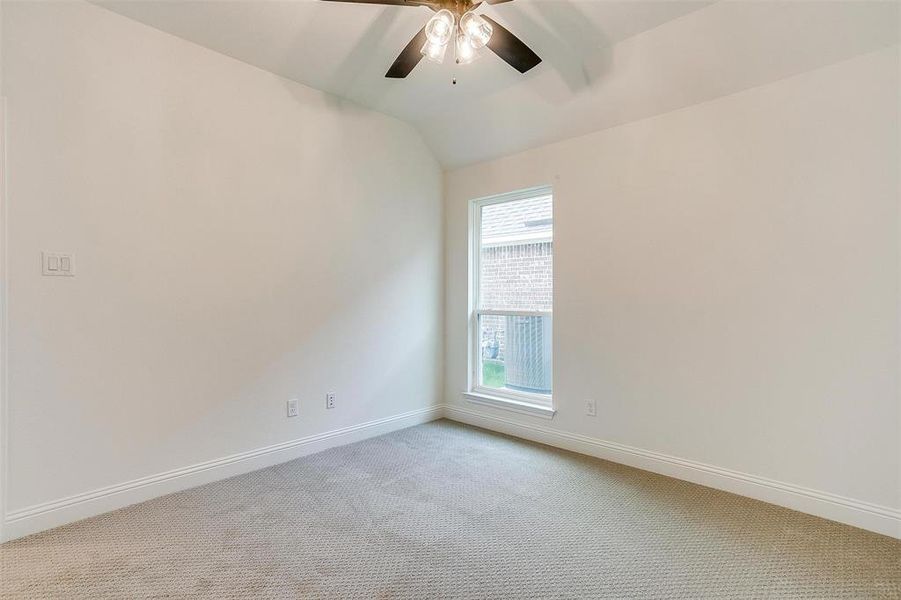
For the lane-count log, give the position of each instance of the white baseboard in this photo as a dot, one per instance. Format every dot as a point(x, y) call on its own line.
point(864, 515)
point(37, 518)
point(44, 516)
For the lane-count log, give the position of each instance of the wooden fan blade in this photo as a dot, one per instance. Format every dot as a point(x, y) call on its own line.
point(408, 58)
point(510, 48)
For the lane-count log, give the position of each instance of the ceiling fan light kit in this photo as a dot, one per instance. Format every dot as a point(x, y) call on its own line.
point(456, 20)
point(470, 34)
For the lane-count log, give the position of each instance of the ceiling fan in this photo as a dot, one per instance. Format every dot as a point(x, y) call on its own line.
point(455, 21)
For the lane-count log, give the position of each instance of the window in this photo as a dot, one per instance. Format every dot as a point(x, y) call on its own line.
point(512, 299)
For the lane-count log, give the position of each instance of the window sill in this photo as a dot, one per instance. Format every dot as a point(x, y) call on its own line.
point(518, 406)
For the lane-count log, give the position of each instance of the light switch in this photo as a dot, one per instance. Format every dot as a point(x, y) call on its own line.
point(58, 264)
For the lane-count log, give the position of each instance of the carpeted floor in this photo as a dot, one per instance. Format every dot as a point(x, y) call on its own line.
point(448, 511)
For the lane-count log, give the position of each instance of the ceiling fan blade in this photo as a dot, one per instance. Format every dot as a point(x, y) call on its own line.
point(496, 1)
point(510, 48)
point(408, 58)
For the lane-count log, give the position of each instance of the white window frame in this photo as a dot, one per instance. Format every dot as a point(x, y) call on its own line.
point(539, 405)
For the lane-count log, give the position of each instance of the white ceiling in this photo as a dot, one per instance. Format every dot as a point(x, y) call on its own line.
point(605, 62)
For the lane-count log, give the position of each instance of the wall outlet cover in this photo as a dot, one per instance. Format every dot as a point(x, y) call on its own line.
point(330, 400)
point(57, 264)
point(293, 408)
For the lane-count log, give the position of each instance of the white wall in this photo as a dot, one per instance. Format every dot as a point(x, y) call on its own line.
point(240, 240)
point(726, 281)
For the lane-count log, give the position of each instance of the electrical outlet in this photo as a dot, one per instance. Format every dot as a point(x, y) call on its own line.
point(293, 410)
point(591, 408)
point(330, 400)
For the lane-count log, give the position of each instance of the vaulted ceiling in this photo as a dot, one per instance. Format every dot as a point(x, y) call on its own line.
point(606, 62)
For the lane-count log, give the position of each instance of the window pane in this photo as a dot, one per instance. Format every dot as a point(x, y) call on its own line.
point(516, 255)
point(515, 353)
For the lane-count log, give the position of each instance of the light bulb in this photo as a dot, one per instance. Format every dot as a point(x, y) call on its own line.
point(478, 29)
point(465, 51)
point(440, 27)
point(434, 52)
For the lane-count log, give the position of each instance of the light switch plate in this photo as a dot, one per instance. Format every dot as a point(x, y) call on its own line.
point(57, 264)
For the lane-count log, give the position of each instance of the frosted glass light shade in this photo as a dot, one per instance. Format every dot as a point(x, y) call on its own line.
point(440, 27)
point(477, 29)
point(434, 52)
point(465, 51)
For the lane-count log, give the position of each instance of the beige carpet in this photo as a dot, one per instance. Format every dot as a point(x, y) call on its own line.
point(447, 511)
